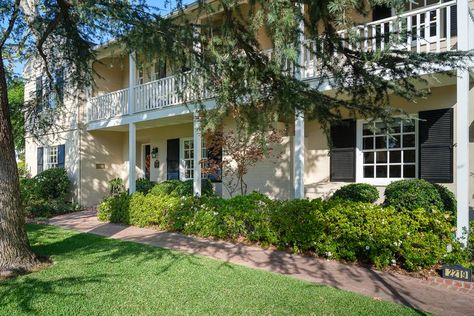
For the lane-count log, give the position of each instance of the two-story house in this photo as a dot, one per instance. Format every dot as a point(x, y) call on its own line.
point(135, 124)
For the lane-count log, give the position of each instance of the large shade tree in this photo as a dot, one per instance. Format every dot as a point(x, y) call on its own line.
point(254, 87)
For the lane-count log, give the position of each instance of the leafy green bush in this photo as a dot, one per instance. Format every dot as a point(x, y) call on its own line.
point(470, 241)
point(357, 192)
point(181, 188)
point(296, 223)
point(165, 187)
point(412, 194)
point(248, 217)
point(116, 186)
point(27, 190)
point(144, 185)
point(52, 184)
point(43, 208)
point(45, 195)
point(352, 231)
point(115, 209)
point(185, 188)
point(447, 197)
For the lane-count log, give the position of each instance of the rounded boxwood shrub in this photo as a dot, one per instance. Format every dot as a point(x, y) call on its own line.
point(185, 188)
point(181, 188)
point(357, 192)
point(413, 194)
point(165, 187)
point(52, 184)
point(144, 185)
point(447, 197)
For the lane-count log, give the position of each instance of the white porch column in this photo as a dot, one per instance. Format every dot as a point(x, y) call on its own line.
point(462, 124)
point(132, 80)
point(298, 164)
point(197, 154)
point(132, 157)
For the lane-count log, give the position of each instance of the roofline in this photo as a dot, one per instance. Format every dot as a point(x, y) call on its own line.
point(171, 14)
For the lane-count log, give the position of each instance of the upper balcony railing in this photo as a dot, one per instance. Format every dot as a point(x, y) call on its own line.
point(429, 29)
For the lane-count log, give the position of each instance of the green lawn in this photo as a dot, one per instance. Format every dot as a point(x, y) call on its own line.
point(98, 276)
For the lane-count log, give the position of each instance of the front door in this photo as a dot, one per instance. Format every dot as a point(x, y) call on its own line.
point(172, 159)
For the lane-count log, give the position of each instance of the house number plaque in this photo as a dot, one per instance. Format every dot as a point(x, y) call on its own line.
point(456, 272)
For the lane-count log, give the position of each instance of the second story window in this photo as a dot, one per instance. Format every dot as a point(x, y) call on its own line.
point(141, 76)
point(48, 96)
point(159, 70)
point(39, 94)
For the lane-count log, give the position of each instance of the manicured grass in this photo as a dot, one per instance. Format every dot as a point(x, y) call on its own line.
point(98, 276)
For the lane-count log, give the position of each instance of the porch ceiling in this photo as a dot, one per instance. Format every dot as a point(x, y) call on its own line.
point(165, 121)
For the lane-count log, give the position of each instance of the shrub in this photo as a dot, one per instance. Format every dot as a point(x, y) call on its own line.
point(43, 208)
point(352, 231)
point(412, 194)
point(470, 241)
point(185, 188)
point(115, 209)
point(165, 187)
point(52, 184)
point(447, 197)
point(357, 192)
point(296, 223)
point(181, 188)
point(144, 185)
point(116, 186)
point(248, 216)
point(27, 190)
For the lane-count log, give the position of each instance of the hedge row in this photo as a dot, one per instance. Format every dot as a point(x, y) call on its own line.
point(336, 229)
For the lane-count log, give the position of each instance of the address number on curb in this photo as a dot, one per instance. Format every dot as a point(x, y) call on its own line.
point(456, 272)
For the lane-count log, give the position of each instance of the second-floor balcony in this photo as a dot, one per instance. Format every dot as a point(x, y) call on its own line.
point(428, 29)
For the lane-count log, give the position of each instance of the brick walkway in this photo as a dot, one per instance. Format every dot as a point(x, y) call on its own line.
point(397, 288)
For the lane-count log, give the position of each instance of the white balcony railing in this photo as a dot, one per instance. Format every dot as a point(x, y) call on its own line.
point(429, 29)
point(108, 105)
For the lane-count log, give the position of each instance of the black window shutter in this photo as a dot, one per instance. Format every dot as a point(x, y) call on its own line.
point(39, 159)
point(454, 22)
point(214, 155)
point(61, 156)
point(343, 151)
point(59, 78)
point(172, 159)
point(436, 145)
point(39, 94)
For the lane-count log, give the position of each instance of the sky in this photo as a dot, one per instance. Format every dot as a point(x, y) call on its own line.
point(165, 6)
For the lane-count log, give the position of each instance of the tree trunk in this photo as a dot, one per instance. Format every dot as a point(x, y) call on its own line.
point(15, 252)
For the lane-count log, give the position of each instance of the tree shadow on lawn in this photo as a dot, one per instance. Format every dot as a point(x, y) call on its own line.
point(26, 291)
point(100, 249)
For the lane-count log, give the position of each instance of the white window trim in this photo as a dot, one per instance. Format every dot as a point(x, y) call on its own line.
point(360, 156)
point(182, 164)
point(46, 151)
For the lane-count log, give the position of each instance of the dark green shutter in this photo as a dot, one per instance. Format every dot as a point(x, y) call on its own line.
point(214, 155)
point(39, 94)
point(343, 151)
point(436, 145)
point(59, 78)
point(61, 156)
point(172, 159)
point(39, 159)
